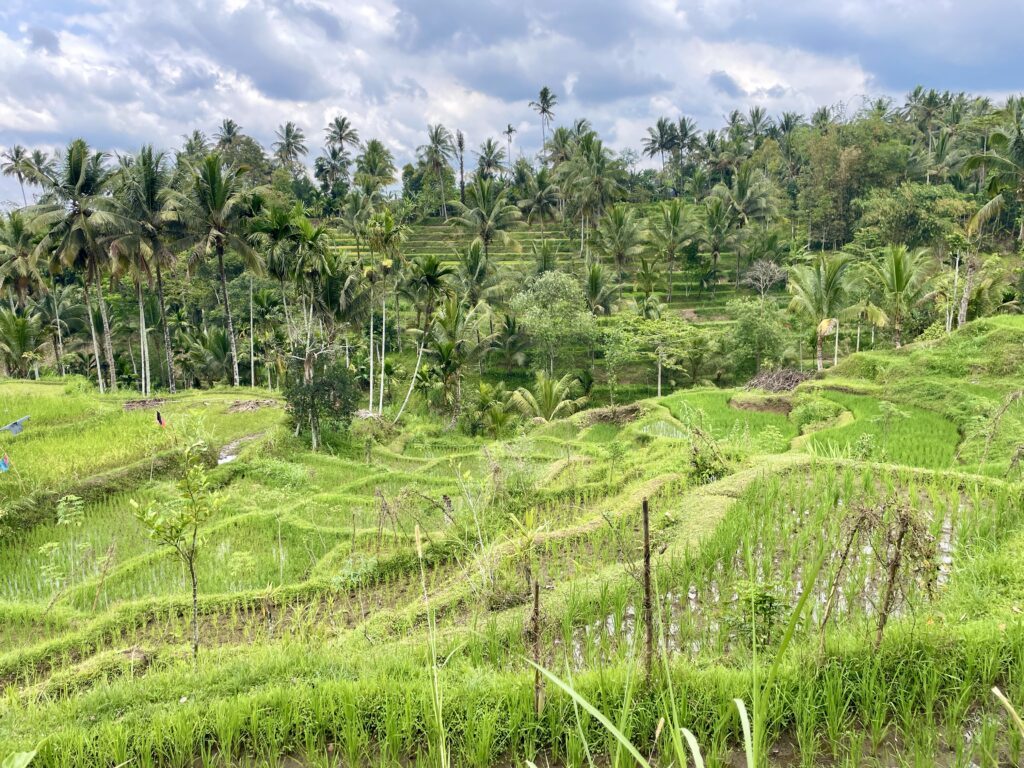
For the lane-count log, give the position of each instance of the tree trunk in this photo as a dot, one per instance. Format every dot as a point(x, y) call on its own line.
point(143, 340)
point(444, 206)
point(92, 333)
point(227, 313)
point(965, 298)
point(671, 264)
point(167, 331)
point(195, 609)
point(835, 358)
point(108, 347)
point(659, 375)
point(952, 300)
point(383, 342)
point(60, 337)
point(412, 382)
point(252, 342)
point(371, 356)
point(820, 353)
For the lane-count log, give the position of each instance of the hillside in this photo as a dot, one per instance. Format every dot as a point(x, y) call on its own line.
point(320, 620)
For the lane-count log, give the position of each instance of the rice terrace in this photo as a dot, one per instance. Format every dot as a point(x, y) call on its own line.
point(599, 436)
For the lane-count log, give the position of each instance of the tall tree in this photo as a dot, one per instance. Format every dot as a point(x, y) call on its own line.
point(342, 134)
point(436, 154)
point(669, 233)
point(819, 291)
point(487, 214)
point(544, 106)
point(900, 277)
point(214, 213)
point(17, 162)
point(76, 213)
point(144, 188)
point(620, 236)
point(290, 146)
point(510, 131)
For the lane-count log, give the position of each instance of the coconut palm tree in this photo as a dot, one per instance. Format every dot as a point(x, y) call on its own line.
point(21, 342)
point(1002, 163)
point(17, 162)
point(489, 159)
point(749, 198)
point(661, 140)
point(544, 107)
point(74, 217)
point(820, 292)
point(543, 198)
point(509, 343)
point(331, 167)
point(487, 214)
point(550, 399)
point(214, 214)
point(427, 282)
point(669, 233)
point(144, 189)
point(901, 279)
point(602, 290)
point(21, 265)
point(460, 153)
point(341, 133)
point(476, 275)
point(510, 131)
point(290, 146)
point(436, 154)
point(228, 133)
point(375, 168)
point(717, 231)
point(272, 233)
point(620, 236)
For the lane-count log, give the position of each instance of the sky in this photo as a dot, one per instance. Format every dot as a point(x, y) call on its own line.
point(121, 73)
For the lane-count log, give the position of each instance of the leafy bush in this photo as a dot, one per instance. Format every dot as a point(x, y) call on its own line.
point(811, 411)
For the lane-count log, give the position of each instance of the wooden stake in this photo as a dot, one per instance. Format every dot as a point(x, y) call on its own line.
point(538, 691)
point(648, 611)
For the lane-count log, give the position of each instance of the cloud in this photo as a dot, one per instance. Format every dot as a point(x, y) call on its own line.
point(42, 39)
point(136, 71)
point(721, 81)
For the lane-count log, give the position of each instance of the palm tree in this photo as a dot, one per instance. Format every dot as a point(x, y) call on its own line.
point(228, 133)
point(594, 178)
point(901, 279)
point(669, 234)
point(21, 342)
point(1002, 164)
point(510, 131)
point(661, 139)
point(489, 159)
point(544, 106)
point(476, 274)
point(819, 294)
point(550, 399)
point(18, 163)
point(331, 167)
point(290, 146)
point(341, 133)
point(620, 236)
point(454, 342)
point(73, 218)
point(460, 152)
point(375, 168)
point(717, 231)
point(214, 213)
point(436, 154)
point(21, 266)
point(749, 197)
point(487, 214)
point(272, 232)
point(509, 343)
point(147, 199)
point(602, 291)
point(426, 283)
point(543, 198)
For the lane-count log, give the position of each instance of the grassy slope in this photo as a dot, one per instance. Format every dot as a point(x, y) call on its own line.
point(345, 603)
